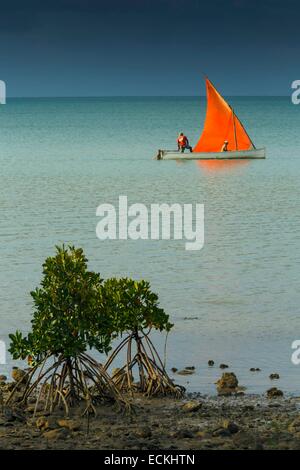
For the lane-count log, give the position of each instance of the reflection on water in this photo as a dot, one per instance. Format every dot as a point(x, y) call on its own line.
point(211, 166)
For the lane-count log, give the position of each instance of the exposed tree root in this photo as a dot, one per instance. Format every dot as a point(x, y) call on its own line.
point(153, 378)
point(68, 382)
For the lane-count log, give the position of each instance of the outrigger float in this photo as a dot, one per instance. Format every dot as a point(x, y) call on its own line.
point(221, 124)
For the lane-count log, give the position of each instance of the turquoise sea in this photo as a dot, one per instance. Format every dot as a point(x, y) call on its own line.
point(237, 300)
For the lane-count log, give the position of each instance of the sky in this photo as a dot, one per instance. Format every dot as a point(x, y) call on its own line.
point(148, 47)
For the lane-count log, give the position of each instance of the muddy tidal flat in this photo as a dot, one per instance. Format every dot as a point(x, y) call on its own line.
point(195, 422)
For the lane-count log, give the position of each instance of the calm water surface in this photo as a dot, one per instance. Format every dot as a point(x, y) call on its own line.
point(61, 158)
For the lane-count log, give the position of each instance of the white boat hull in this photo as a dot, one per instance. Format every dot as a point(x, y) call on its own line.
point(232, 155)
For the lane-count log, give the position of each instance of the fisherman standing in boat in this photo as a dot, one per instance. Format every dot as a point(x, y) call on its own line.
point(225, 146)
point(183, 143)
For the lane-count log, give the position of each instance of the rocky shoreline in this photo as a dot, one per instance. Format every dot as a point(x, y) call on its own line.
point(231, 421)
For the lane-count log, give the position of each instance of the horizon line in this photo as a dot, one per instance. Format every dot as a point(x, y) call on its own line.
point(141, 96)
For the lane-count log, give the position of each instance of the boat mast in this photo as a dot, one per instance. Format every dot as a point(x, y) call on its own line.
point(235, 138)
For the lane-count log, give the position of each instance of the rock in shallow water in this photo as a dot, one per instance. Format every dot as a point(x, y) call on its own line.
point(211, 363)
point(274, 393)
point(227, 384)
point(224, 366)
point(274, 376)
point(185, 372)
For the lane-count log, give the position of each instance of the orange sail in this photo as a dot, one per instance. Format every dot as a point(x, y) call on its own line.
point(221, 123)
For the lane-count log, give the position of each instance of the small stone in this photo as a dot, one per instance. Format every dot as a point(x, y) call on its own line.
point(143, 433)
point(19, 375)
point(190, 368)
point(221, 432)
point(274, 376)
point(3, 378)
point(191, 406)
point(174, 369)
point(44, 423)
point(184, 434)
point(155, 424)
point(294, 426)
point(231, 426)
point(54, 434)
point(211, 363)
point(224, 366)
point(257, 369)
point(274, 393)
point(70, 424)
point(185, 372)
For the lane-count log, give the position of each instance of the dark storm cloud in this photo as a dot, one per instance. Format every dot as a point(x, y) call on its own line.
point(117, 47)
point(18, 15)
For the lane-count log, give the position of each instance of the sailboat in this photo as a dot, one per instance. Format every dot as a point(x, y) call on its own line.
point(221, 124)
